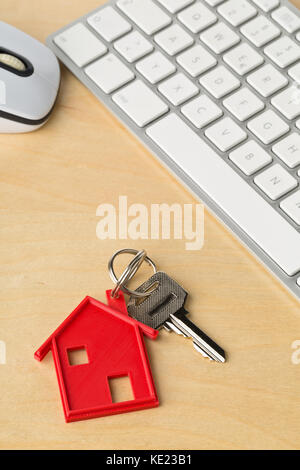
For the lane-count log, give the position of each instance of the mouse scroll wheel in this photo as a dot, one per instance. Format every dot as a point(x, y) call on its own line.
point(13, 62)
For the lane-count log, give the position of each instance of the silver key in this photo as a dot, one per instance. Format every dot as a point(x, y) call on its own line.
point(164, 307)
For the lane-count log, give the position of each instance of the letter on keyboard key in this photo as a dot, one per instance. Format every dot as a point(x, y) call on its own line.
point(243, 104)
point(220, 82)
point(196, 60)
point(226, 134)
point(237, 12)
point(268, 127)
point(109, 24)
point(197, 17)
point(80, 45)
point(201, 111)
point(250, 158)
point(178, 89)
point(267, 80)
point(283, 52)
point(174, 39)
point(155, 67)
point(249, 210)
point(148, 16)
point(275, 182)
point(133, 46)
point(287, 19)
point(288, 102)
point(260, 31)
point(243, 59)
point(140, 103)
point(220, 38)
point(288, 150)
point(109, 73)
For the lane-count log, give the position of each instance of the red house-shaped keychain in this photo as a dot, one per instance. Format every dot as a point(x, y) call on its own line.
point(115, 348)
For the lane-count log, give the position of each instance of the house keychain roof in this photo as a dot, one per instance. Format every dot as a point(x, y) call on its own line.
point(115, 348)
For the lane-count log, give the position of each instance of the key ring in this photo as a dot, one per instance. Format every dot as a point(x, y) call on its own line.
point(129, 272)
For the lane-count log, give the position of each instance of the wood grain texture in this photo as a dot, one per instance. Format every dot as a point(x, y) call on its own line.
point(51, 184)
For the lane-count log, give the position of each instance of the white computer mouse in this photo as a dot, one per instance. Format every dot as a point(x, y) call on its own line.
point(29, 81)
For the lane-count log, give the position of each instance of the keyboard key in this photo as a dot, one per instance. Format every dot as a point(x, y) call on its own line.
point(243, 104)
point(197, 17)
point(240, 201)
point(174, 39)
point(202, 111)
point(148, 16)
point(213, 3)
point(275, 182)
point(268, 127)
point(267, 5)
point(260, 31)
point(288, 102)
point(109, 73)
point(80, 45)
point(133, 46)
point(288, 150)
point(140, 103)
point(109, 24)
point(220, 82)
point(294, 72)
point(237, 12)
point(196, 60)
point(283, 52)
point(175, 5)
point(178, 89)
point(291, 206)
point(243, 59)
point(155, 67)
point(287, 19)
point(220, 38)
point(226, 134)
point(250, 158)
point(267, 80)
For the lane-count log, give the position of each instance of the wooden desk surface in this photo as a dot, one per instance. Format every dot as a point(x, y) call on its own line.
point(51, 184)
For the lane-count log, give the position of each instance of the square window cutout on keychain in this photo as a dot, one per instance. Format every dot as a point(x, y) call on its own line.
point(87, 359)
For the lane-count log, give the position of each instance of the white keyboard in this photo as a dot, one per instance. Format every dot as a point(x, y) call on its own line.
point(212, 88)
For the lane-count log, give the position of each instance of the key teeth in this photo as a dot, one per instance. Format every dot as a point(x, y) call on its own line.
point(171, 327)
point(206, 356)
point(201, 352)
